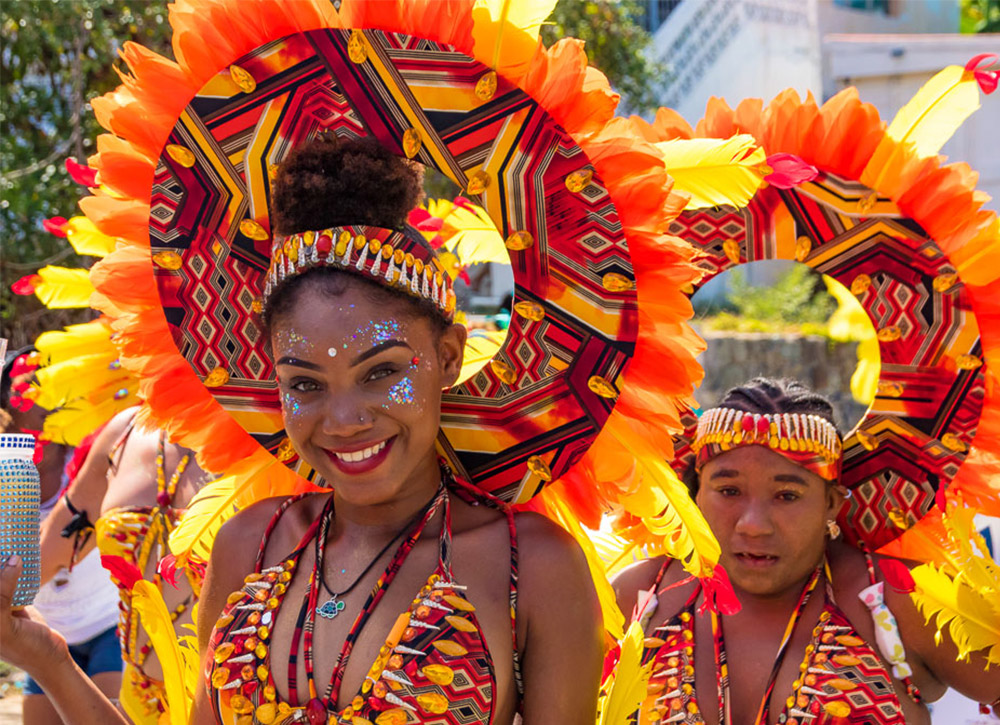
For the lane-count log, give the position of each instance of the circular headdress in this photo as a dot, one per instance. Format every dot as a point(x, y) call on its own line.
point(883, 215)
point(526, 132)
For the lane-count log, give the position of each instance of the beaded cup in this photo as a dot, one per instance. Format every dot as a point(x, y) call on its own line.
point(20, 496)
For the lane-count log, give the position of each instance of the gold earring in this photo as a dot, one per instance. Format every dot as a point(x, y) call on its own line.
point(832, 529)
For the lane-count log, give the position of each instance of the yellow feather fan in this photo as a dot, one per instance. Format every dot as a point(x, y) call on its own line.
point(177, 679)
point(625, 688)
point(963, 594)
point(87, 239)
point(937, 110)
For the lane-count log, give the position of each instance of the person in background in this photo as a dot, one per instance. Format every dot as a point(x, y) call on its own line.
point(82, 604)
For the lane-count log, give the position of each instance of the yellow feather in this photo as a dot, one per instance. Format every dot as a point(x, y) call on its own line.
point(479, 350)
point(87, 239)
point(155, 619)
point(76, 420)
point(89, 338)
point(508, 29)
point(63, 288)
point(665, 506)
point(215, 504)
point(972, 617)
point(473, 237)
point(936, 111)
point(715, 171)
point(626, 689)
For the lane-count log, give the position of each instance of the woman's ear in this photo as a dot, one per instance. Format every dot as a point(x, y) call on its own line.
point(835, 496)
point(451, 352)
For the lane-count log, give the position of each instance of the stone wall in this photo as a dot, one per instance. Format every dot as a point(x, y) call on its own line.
point(825, 366)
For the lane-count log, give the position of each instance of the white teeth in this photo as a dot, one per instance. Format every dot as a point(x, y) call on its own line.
point(355, 456)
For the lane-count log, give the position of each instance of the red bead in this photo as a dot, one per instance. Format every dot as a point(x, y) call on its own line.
point(763, 427)
point(747, 423)
point(324, 244)
point(316, 712)
point(163, 498)
point(415, 360)
point(250, 687)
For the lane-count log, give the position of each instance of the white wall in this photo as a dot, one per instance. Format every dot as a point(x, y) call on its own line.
point(737, 49)
point(889, 69)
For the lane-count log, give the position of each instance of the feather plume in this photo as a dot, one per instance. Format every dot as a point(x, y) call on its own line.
point(715, 172)
point(87, 239)
point(937, 110)
point(469, 232)
point(971, 616)
point(88, 338)
point(509, 29)
point(215, 504)
point(155, 619)
point(62, 288)
point(627, 688)
point(479, 350)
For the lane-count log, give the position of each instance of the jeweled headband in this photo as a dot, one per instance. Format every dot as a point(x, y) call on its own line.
point(807, 440)
point(394, 259)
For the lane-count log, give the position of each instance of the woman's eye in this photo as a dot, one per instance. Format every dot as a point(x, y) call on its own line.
point(380, 373)
point(304, 386)
point(729, 491)
point(788, 496)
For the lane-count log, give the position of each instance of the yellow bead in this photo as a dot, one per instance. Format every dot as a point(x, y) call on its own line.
point(449, 647)
point(731, 248)
point(218, 377)
point(356, 49)
point(439, 674)
point(220, 677)
point(411, 142)
point(395, 716)
point(503, 371)
point(168, 260)
point(889, 334)
point(486, 86)
point(266, 713)
point(519, 241)
point(541, 469)
point(944, 282)
point(181, 155)
point(837, 708)
point(223, 651)
point(803, 245)
point(601, 387)
point(250, 228)
point(432, 702)
point(242, 78)
point(530, 310)
point(860, 284)
point(478, 182)
point(459, 603)
point(614, 282)
point(579, 180)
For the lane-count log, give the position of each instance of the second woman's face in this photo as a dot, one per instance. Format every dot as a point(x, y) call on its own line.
point(769, 515)
point(360, 383)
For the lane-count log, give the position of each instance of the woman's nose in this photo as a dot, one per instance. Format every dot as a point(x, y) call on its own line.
point(346, 416)
point(755, 520)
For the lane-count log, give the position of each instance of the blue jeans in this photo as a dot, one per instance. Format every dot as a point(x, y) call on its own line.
point(100, 654)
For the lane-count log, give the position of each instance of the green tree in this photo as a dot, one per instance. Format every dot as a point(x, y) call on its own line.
point(980, 16)
point(617, 44)
point(56, 56)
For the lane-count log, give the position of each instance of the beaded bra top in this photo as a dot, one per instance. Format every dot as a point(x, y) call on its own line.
point(127, 536)
point(842, 680)
point(434, 667)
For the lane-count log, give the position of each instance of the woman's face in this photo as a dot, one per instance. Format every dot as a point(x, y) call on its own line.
point(360, 377)
point(769, 515)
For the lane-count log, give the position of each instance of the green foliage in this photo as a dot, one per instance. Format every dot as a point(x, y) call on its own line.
point(617, 44)
point(796, 299)
point(56, 56)
point(979, 16)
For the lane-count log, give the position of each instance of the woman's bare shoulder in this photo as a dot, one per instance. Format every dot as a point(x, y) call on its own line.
point(239, 538)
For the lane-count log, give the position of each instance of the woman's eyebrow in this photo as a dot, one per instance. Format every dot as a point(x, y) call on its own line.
point(724, 473)
point(298, 363)
point(381, 347)
point(790, 478)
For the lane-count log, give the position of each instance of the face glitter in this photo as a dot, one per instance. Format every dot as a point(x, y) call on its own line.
point(290, 340)
point(332, 352)
point(290, 404)
point(402, 392)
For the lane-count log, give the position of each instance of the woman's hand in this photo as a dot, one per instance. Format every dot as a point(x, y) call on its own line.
point(25, 640)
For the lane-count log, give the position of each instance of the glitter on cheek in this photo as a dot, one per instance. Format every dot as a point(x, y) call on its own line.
point(290, 403)
point(402, 392)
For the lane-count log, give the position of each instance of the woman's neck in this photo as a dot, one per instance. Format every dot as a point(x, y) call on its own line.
point(391, 515)
point(776, 604)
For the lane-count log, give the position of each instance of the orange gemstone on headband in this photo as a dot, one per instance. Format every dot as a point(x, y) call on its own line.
point(860, 284)
point(356, 49)
point(803, 245)
point(579, 180)
point(519, 241)
point(411, 142)
point(398, 256)
point(360, 242)
point(944, 282)
point(541, 469)
point(889, 334)
point(168, 260)
point(614, 282)
point(386, 251)
point(478, 182)
point(731, 248)
point(530, 310)
point(181, 155)
point(219, 376)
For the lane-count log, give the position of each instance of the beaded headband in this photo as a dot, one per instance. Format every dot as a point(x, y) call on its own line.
point(394, 259)
point(807, 440)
